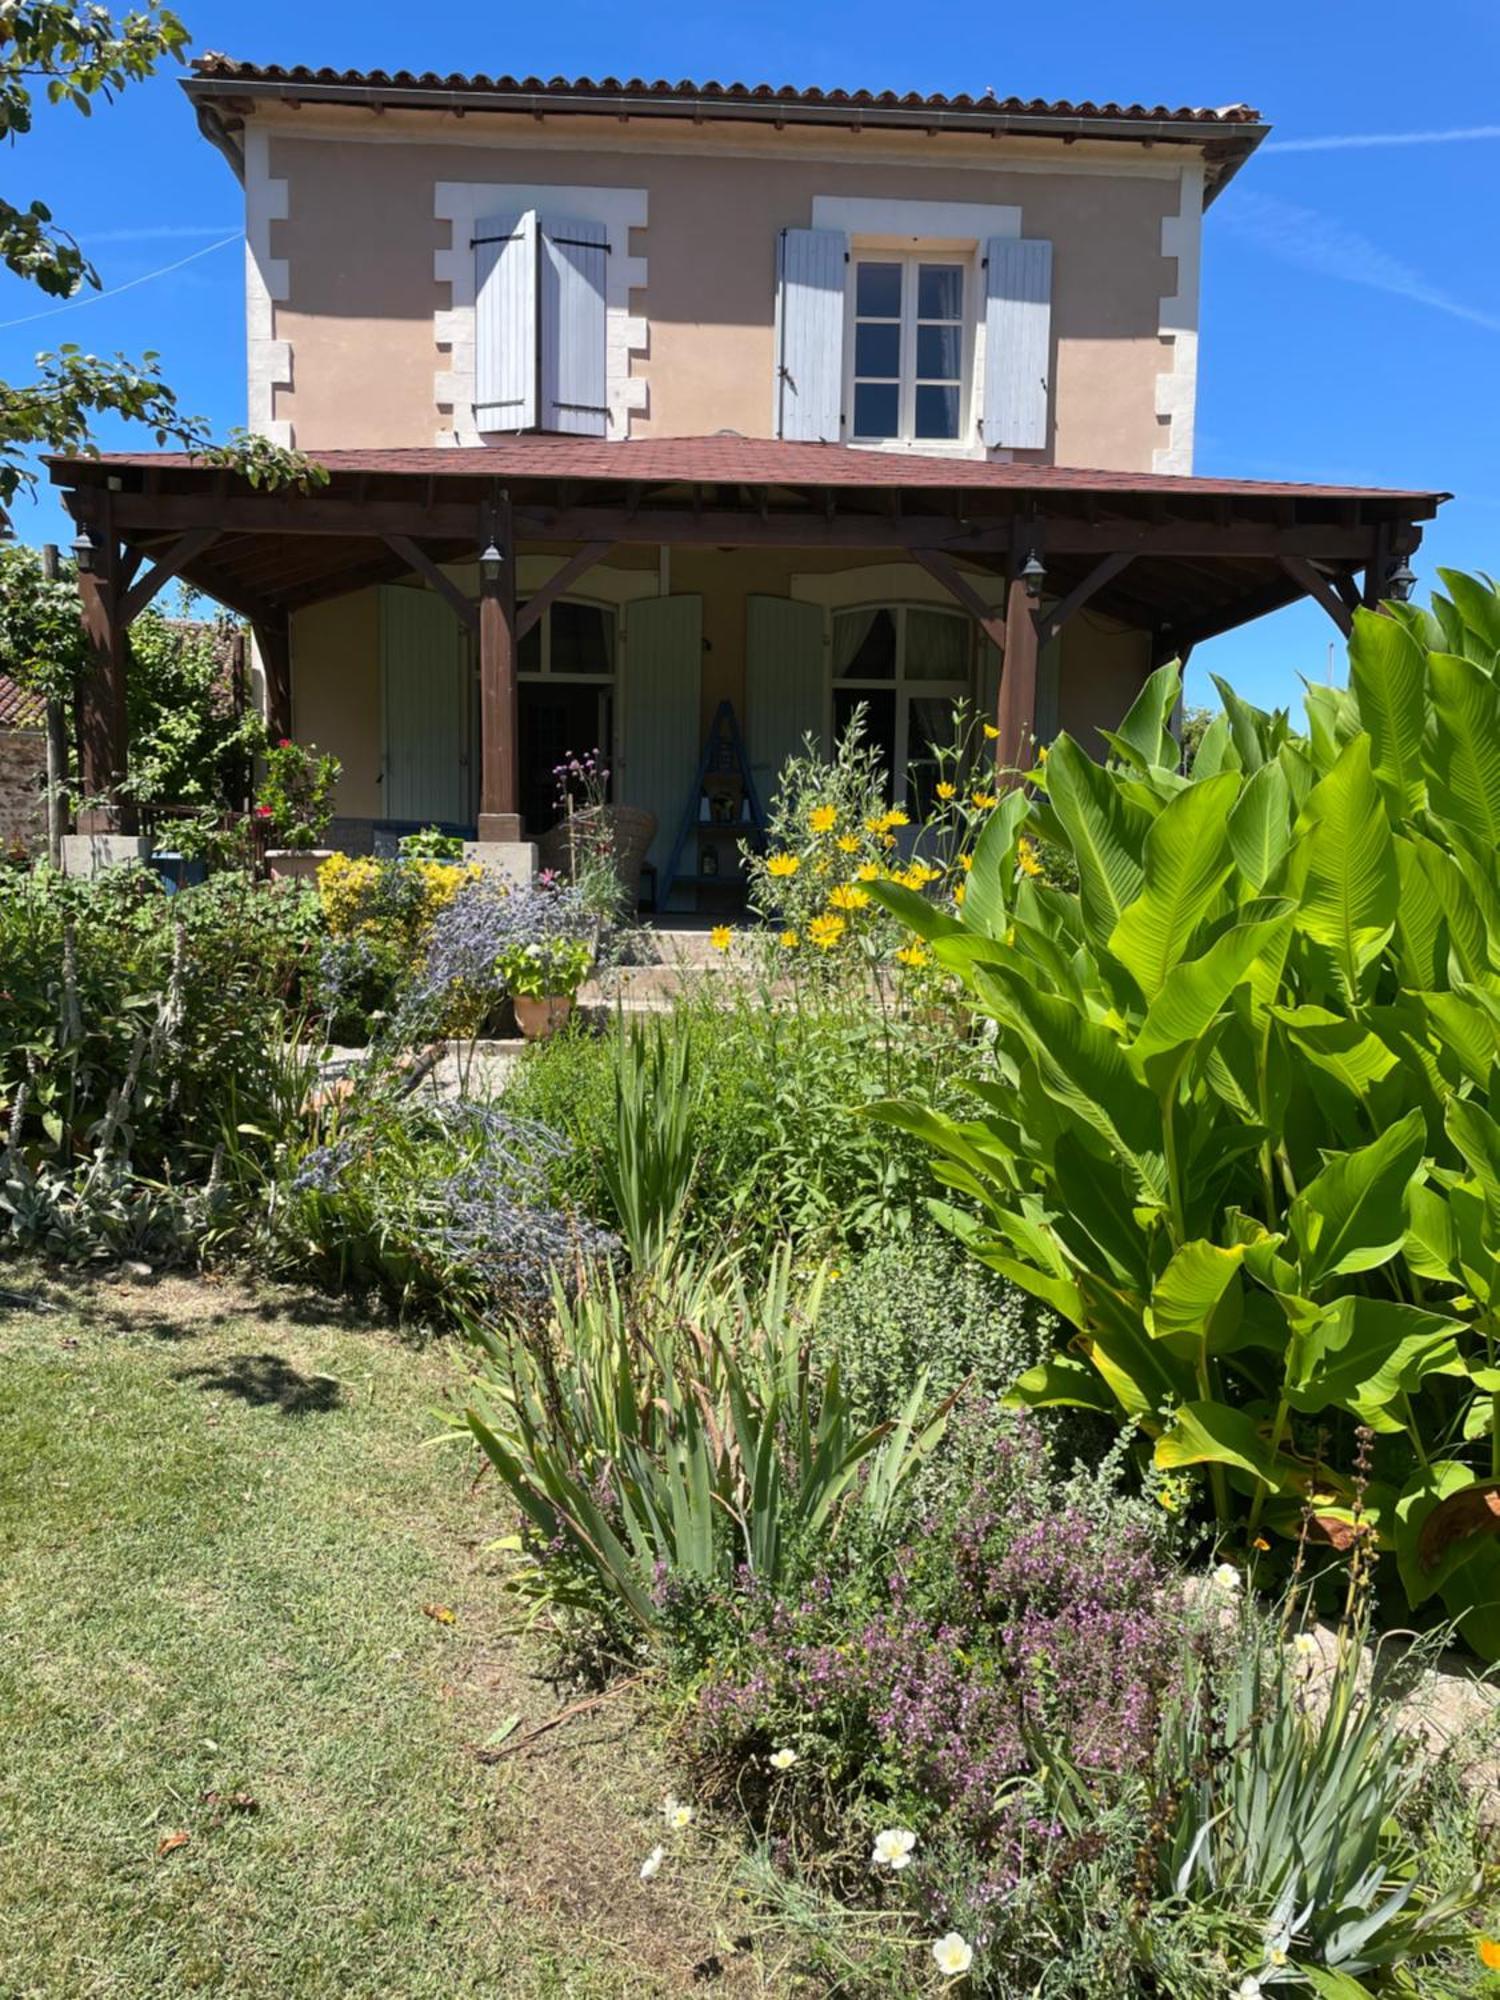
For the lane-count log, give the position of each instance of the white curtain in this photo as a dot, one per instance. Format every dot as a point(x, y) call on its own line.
point(850, 631)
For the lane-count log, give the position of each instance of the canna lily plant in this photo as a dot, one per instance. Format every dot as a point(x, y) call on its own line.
point(1243, 1129)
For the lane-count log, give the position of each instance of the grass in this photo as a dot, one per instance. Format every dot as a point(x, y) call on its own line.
point(221, 1524)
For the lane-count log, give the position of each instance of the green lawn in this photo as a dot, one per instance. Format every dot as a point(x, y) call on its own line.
point(220, 1522)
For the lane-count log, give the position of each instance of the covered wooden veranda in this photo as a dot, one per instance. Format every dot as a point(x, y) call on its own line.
point(1183, 559)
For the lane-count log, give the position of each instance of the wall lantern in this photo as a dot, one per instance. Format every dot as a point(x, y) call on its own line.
point(85, 549)
point(491, 564)
point(1401, 582)
point(1033, 574)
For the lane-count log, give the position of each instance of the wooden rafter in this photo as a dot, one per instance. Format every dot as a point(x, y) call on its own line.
point(990, 621)
point(1050, 623)
point(418, 559)
point(183, 551)
point(576, 566)
point(1318, 586)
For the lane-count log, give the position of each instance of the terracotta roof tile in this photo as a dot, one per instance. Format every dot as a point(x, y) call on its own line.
point(20, 708)
point(213, 66)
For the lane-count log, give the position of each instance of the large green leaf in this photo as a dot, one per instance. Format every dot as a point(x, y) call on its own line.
point(1196, 992)
point(1256, 735)
point(1421, 929)
point(987, 899)
point(1260, 825)
point(1477, 1137)
point(1207, 1433)
point(1353, 1215)
point(1145, 729)
point(1105, 832)
point(1186, 861)
point(1062, 1382)
point(1343, 870)
point(1462, 750)
point(1361, 1354)
point(1198, 1299)
point(1388, 675)
point(1477, 603)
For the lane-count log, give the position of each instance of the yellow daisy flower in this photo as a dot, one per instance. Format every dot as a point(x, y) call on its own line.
point(721, 937)
point(991, 732)
point(947, 791)
point(912, 955)
point(825, 931)
point(845, 898)
point(966, 862)
point(874, 826)
point(888, 840)
point(823, 819)
point(848, 843)
point(783, 865)
point(869, 873)
point(959, 893)
point(895, 818)
point(1026, 858)
point(789, 940)
point(984, 800)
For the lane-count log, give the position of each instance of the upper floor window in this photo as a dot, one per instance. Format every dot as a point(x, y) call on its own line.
point(910, 350)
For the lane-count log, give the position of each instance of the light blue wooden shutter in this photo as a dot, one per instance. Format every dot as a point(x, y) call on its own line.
point(661, 728)
point(425, 690)
point(786, 685)
point(811, 267)
point(505, 373)
point(574, 268)
point(1017, 341)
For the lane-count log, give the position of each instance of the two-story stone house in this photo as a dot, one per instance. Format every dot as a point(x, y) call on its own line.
point(775, 398)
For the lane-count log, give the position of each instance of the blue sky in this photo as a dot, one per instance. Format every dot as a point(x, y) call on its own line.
point(1351, 295)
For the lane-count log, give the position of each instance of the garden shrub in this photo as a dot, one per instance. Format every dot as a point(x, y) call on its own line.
point(379, 915)
point(1239, 1131)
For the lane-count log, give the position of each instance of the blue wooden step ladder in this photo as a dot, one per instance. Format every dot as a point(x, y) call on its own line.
point(724, 757)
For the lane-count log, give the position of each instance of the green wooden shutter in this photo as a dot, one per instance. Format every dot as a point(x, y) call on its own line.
point(786, 685)
point(425, 690)
point(660, 724)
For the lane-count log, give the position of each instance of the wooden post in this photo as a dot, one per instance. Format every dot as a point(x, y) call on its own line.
point(1017, 713)
point(103, 728)
point(273, 641)
point(499, 715)
point(57, 744)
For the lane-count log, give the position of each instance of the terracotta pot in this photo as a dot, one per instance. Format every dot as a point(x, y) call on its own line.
point(538, 1018)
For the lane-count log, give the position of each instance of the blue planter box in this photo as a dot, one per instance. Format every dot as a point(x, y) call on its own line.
point(176, 871)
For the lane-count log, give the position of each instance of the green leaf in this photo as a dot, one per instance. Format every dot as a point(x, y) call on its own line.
point(1145, 728)
point(1343, 870)
point(1105, 832)
point(1208, 1433)
point(1346, 1049)
point(1477, 1137)
point(1431, 1246)
point(1361, 1354)
point(918, 913)
point(1198, 1299)
point(1196, 992)
point(987, 899)
point(1256, 735)
point(1330, 1985)
point(1388, 675)
point(1186, 860)
point(1062, 1381)
point(1215, 751)
point(1352, 1216)
point(1260, 825)
point(1461, 751)
point(1478, 605)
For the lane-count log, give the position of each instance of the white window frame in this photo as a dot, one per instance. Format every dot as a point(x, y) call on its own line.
point(909, 256)
point(544, 627)
point(904, 689)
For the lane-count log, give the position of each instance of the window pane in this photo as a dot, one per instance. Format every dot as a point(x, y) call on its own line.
point(876, 409)
point(529, 652)
point(877, 348)
point(864, 646)
point(937, 647)
point(880, 722)
point(582, 639)
point(877, 291)
point(939, 353)
point(929, 728)
point(937, 411)
point(940, 291)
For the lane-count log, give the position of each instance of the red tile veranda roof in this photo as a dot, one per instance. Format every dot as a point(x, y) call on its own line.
point(729, 460)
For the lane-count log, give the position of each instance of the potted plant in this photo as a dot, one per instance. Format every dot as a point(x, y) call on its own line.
point(294, 806)
point(542, 977)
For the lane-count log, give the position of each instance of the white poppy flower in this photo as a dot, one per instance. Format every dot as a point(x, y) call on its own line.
point(782, 1760)
point(677, 1814)
point(1226, 1578)
point(954, 1956)
point(1249, 1988)
point(1305, 1646)
point(652, 1863)
point(893, 1848)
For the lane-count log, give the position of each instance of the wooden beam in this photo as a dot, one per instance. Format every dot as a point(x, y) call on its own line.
point(419, 560)
point(273, 641)
point(1317, 586)
point(989, 621)
point(576, 566)
point(1017, 710)
point(182, 552)
point(499, 708)
point(1050, 623)
point(103, 729)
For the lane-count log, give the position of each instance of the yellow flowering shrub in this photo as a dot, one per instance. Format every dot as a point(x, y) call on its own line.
point(391, 902)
